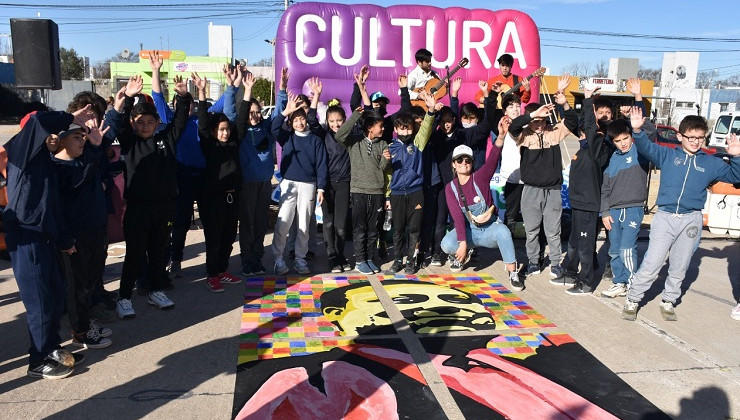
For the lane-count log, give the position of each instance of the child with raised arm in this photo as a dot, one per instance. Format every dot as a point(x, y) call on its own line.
point(336, 195)
point(370, 160)
point(150, 190)
point(219, 142)
point(676, 228)
point(257, 159)
point(35, 231)
point(406, 194)
point(542, 173)
point(304, 175)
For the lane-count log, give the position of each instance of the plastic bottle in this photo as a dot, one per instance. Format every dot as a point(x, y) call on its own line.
point(388, 218)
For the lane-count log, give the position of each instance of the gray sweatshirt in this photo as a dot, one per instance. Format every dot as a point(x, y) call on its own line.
point(368, 167)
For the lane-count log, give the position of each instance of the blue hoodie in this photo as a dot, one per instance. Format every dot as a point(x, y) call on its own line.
point(256, 150)
point(684, 178)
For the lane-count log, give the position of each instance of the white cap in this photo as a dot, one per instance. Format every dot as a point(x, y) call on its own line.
point(462, 150)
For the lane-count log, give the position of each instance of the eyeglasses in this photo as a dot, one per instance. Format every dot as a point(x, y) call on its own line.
point(463, 159)
point(693, 139)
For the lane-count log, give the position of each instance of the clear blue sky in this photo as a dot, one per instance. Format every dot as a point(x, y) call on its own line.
point(99, 31)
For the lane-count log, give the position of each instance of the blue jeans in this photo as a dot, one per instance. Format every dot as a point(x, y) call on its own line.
point(493, 235)
point(623, 242)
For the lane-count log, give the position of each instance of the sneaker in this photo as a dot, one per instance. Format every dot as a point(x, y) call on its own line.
point(280, 267)
point(735, 314)
point(410, 267)
point(564, 280)
point(101, 313)
point(514, 281)
point(301, 266)
point(125, 309)
point(160, 300)
point(373, 266)
point(214, 284)
point(580, 289)
point(258, 268)
point(79, 358)
point(629, 312)
point(247, 270)
point(533, 269)
point(455, 265)
point(608, 273)
point(337, 268)
point(473, 255)
point(50, 369)
point(228, 278)
point(667, 311)
point(556, 271)
point(91, 339)
point(175, 269)
point(616, 289)
point(364, 268)
point(103, 331)
point(437, 260)
point(395, 268)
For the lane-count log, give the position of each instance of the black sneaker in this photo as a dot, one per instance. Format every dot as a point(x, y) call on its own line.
point(437, 260)
point(567, 279)
point(258, 268)
point(247, 270)
point(91, 340)
point(336, 267)
point(395, 268)
point(50, 369)
point(455, 265)
point(580, 289)
point(473, 255)
point(533, 269)
point(410, 268)
point(514, 281)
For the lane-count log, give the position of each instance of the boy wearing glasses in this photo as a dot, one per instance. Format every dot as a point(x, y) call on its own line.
point(676, 228)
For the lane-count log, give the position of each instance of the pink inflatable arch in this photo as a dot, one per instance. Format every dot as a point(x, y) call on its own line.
point(333, 41)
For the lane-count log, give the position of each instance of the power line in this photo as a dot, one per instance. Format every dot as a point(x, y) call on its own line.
point(573, 47)
point(635, 35)
point(178, 6)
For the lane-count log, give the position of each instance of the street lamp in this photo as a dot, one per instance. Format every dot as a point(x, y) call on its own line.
point(272, 63)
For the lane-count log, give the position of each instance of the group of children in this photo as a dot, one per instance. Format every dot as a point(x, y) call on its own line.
point(421, 163)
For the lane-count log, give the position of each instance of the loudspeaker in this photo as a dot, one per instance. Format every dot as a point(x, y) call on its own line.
point(36, 53)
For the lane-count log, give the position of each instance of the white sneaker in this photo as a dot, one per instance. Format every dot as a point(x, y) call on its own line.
point(301, 266)
point(160, 300)
point(125, 309)
point(735, 314)
point(280, 267)
point(616, 289)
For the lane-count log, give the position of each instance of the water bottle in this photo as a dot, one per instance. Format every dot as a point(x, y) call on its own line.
point(388, 218)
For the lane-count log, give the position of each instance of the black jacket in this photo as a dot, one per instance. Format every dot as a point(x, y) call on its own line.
point(587, 166)
point(151, 164)
point(223, 172)
point(337, 157)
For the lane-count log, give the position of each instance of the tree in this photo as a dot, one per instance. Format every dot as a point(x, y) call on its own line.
point(261, 90)
point(101, 70)
point(602, 69)
point(644, 73)
point(582, 69)
point(73, 66)
point(263, 62)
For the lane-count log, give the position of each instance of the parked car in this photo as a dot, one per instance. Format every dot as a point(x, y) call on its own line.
point(667, 136)
point(728, 122)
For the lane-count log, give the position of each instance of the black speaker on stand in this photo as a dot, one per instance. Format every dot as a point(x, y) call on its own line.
point(36, 53)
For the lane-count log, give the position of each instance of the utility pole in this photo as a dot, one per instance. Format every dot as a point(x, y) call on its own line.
point(272, 64)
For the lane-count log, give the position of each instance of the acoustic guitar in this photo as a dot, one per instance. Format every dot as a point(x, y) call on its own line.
point(506, 89)
point(438, 87)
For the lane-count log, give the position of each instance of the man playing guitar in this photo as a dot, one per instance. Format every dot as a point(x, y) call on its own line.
point(505, 62)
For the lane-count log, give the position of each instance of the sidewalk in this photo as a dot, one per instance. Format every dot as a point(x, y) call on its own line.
point(182, 362)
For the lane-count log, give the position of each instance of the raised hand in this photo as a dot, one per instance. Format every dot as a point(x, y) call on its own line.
point(284, 77)
point(316, 86)
point(134, 86)
point(525, 84)
point(292, 104)
point(438, 106)
point(181, 86)
point(155, 61)
point(360, 82)
point(563, 82)
point(199, 82)
point(636, 118)
point(733, 145)
point(83, 115)
point(503, 126)
point(543, 111)
point(496, 87)
point(228, 74)
point(587, 93)
point(365, 73)
point(248, 81)
point(120, 98)
point(455, 86)
point(429, 101)
point(560, 98)
point(402, 81)
point(237, 75)
point(633, 87)
point(483, 86)
point(96, 133)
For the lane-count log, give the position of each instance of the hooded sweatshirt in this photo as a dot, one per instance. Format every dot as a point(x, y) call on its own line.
point(625, 181)
point(407, 160)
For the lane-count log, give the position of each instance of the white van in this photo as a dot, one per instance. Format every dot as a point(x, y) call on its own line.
point(727, 122)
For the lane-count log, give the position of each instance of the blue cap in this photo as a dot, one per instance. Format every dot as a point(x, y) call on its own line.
point(377, 96)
